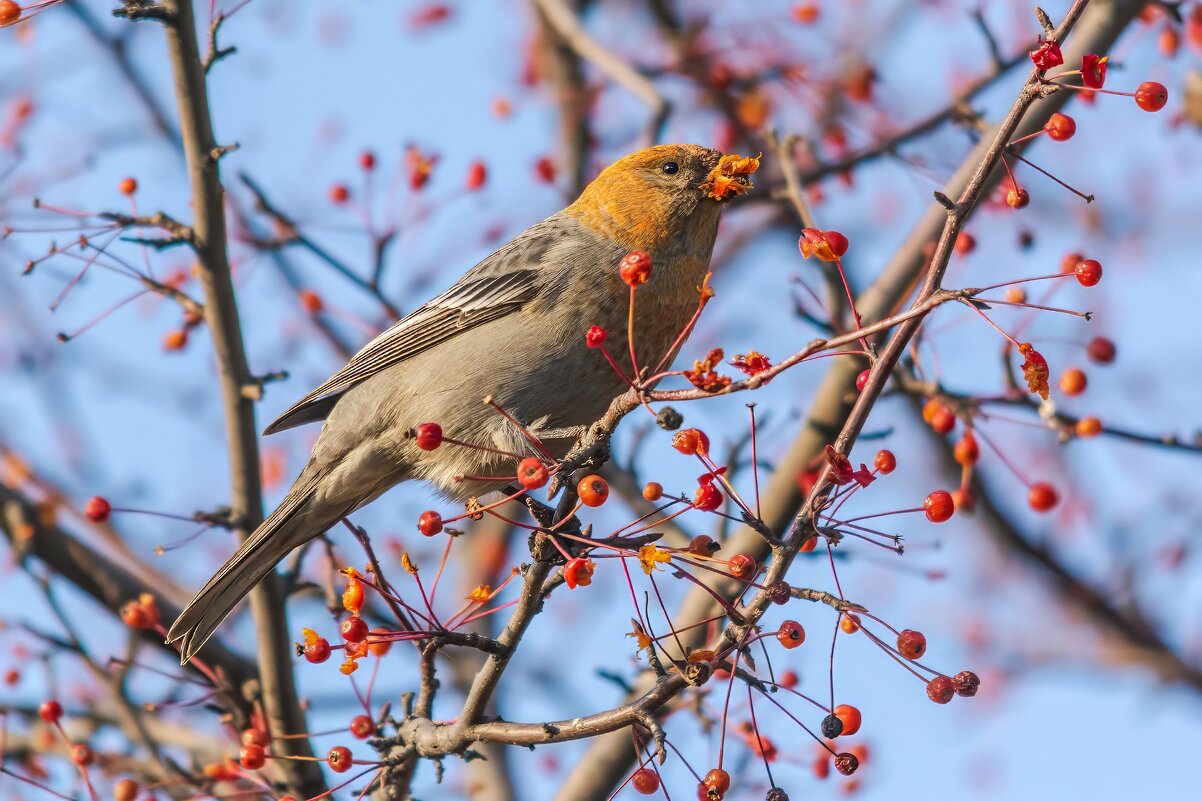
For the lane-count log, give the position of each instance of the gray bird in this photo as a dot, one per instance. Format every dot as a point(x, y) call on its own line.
point(513, 328)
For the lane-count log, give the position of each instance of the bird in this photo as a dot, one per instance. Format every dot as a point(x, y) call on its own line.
point(511, 329)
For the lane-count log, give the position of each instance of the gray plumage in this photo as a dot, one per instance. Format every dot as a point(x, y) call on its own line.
point(511, 328)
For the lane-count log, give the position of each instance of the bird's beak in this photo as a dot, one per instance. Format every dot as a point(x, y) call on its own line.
point(731, 176)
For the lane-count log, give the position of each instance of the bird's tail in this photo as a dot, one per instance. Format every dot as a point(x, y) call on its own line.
point(299, 518)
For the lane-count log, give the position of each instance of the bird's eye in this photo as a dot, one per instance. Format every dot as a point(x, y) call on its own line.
point(671, 168)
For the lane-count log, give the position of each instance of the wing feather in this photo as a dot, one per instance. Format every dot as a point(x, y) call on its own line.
point(500, 285)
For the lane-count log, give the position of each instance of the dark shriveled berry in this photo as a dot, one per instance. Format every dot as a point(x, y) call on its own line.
point(846, 763)
point(776, 794)
point(832, 727)
point(778, 592)
point(966, 683)
point(669, 419)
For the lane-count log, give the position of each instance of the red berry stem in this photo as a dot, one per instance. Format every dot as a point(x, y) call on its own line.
point(1057, 309)
point(533, 440)
point(1042, 171)
point(755, 727)
point(855, 314)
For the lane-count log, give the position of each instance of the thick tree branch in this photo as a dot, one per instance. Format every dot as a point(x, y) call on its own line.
point(273, 648)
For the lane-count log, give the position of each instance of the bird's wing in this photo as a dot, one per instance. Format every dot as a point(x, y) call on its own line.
point(497, 286)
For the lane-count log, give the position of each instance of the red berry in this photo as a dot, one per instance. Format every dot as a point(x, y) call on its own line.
point(911, 644)
point(742, 566)
point(339, 194)
point(10, 12)
point(362, 727)
point(1017, 198)
point(1042, 496)
point(311, 301)
point(862, 380)
point(940, 689)
point(939, 506)
point(967, 451)
point(125, 790)
point(645, 781)
point(596, 336)
point(51, 711)
point(545, 169)
point(477, 174)
point(429, 523)
point(175, 340)
point(253, 757)
point(429, 436)
point(97, 509)
point(593, 491)
point(966, 683)
point(367, 160)
point(128, 186)
point(339, 759)
point(789, 679)
point(1151, 96)
point(1060, 127)
point(1100, 350)
point(82, 754)
point(837, 241)
point(1089, 272)
point(532, 473)
point(943, 421)
point(791, 634)
point(850, 716)
point(703, 545)
point(353, 629)
point(691, 441)
point(635, 268)
point(318, 650)
point(254, 736)
point(1073, 381)
point(717, 780)
point(965, 243)
point(707, 498)
point(885, 462)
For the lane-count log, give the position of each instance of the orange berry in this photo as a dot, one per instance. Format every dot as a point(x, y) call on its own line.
point(718, 781)
point(691, 441)
point(532, 473)
point(1018, 198)
point(339, 194)
point(850, 716)
point(810, 544)
point(943, 421)
point(128, 186)
point(125, 790)
point(311, 301)
point(175, 340)
point(593, 491)
point(965, 243)
point(1088, 427)
point(967, 451)
point(653, 491)
point(1073, 381)
point(742, 566)
point(849, 623)
point(791, 634)
point(10, 12)
point(1060, 127)
point(806, 13)
point(254, 736)
point(1016, 295)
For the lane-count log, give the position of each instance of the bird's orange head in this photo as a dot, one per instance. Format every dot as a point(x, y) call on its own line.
point(659, 195)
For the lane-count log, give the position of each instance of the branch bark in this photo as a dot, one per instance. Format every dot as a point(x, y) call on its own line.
point(273, 648)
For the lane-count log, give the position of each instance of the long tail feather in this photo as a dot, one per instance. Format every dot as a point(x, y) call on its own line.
point(297, 520)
